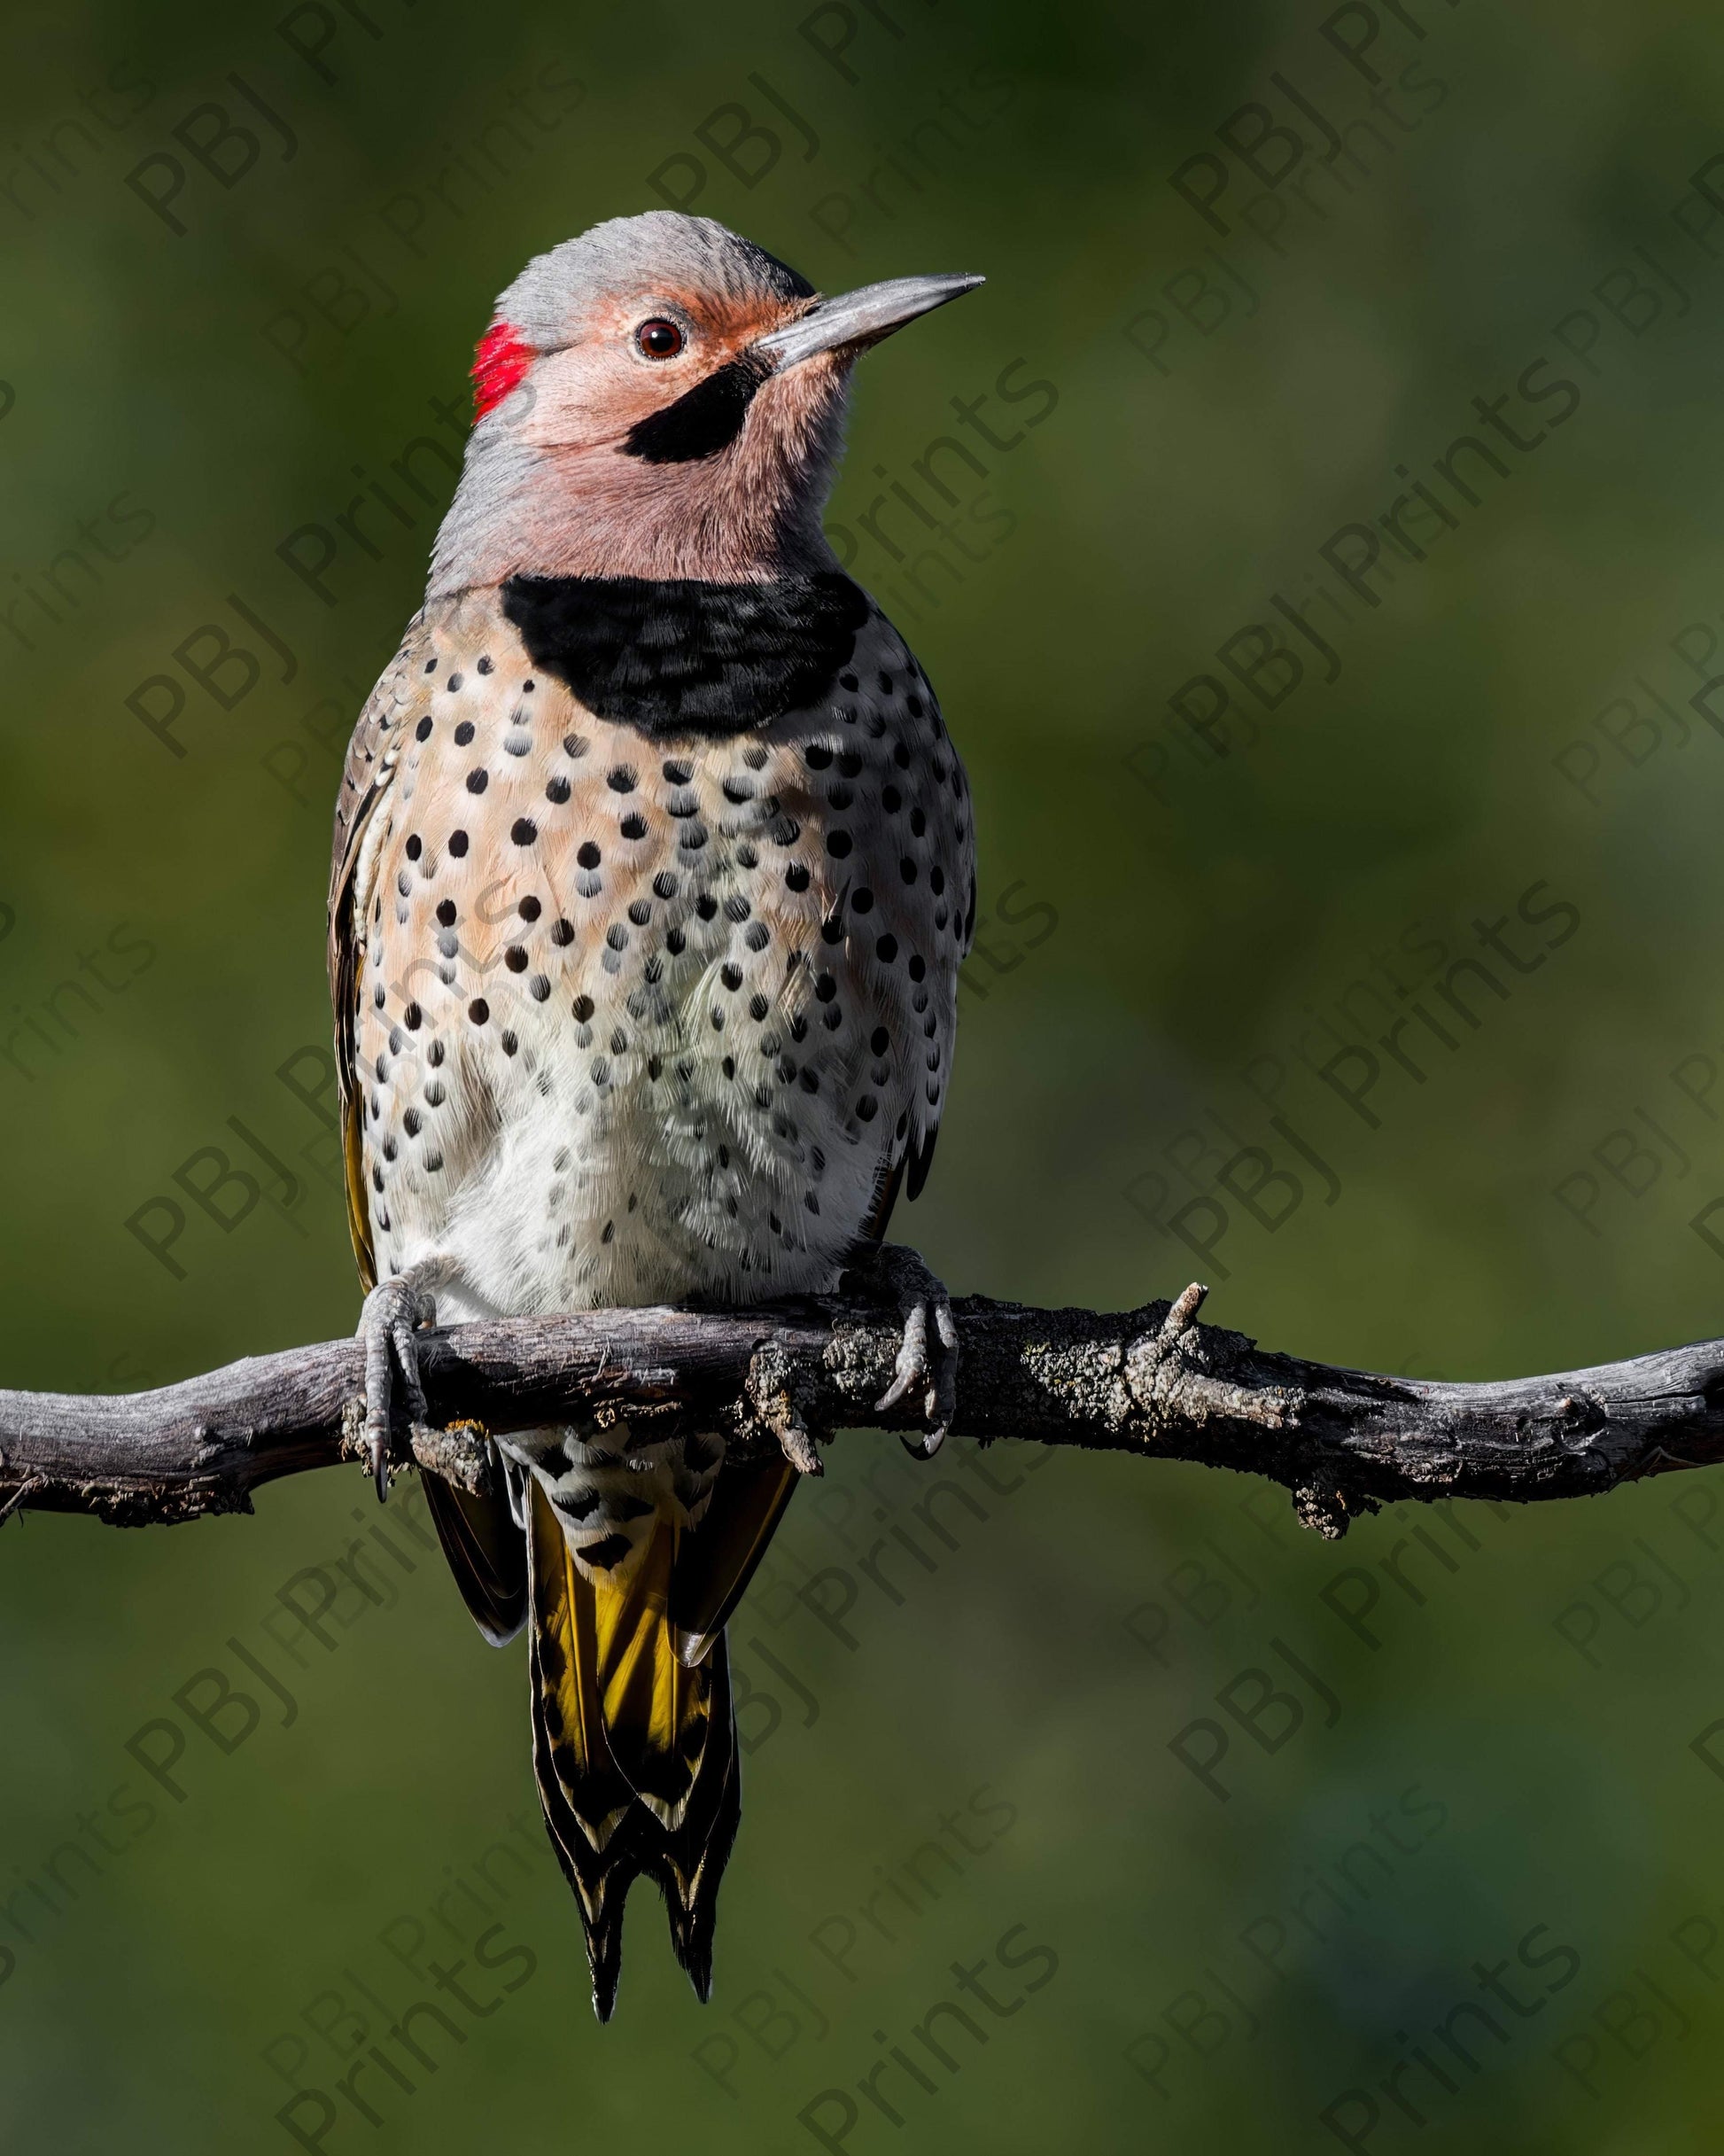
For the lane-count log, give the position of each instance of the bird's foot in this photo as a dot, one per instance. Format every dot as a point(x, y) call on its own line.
point(392, 1314)
point(928, 1355)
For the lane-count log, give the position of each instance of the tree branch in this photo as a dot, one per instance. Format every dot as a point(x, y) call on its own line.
point(1149, 1381)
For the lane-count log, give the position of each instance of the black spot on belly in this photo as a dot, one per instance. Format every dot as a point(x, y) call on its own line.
point(679, 657)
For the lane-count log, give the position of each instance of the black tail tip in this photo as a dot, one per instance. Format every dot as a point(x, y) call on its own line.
point(691, 1933)
point(604, 1958)
point(607, 1975)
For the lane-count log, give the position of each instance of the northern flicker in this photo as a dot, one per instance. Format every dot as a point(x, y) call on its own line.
point(653, 873)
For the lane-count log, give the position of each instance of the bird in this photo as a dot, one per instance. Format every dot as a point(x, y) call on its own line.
point(653, 871)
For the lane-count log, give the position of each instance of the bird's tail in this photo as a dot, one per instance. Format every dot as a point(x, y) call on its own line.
point(635, 1753)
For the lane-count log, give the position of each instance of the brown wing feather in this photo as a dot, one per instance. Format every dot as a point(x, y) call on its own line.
point(365, 780)
point(488, 1554)
point(716, 1561)
point(485, 1548)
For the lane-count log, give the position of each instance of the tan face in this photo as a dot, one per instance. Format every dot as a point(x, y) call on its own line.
point(657, 423)
point(636, 356)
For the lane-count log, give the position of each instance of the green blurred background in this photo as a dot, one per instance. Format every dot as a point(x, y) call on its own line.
point(1230, 1824)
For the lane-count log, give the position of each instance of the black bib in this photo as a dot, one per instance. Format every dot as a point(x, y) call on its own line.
point(676, 656)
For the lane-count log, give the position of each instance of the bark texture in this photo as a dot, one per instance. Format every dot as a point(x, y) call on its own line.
point(1152, 1380)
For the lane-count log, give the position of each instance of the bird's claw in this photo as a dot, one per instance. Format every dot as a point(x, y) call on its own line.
point(928, 1354)
point(392, 1314)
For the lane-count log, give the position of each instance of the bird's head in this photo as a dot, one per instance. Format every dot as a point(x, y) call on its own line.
point(660, 398)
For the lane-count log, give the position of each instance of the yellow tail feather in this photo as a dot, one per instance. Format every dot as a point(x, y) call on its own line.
point(635, 1753)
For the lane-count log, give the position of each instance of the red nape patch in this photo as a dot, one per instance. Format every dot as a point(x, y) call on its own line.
point(499, 365)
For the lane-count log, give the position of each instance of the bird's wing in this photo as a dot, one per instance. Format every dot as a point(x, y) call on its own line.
point(366, 777)
point(486, 1548)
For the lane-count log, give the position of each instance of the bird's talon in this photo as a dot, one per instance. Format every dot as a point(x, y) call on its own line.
point(922, 1444)
point(893, 1393)
point(927, 1361)
point(387, 1321)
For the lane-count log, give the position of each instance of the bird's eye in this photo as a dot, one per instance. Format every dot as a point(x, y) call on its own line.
point(659, 338)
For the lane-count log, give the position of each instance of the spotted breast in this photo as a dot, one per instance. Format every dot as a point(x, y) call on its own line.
point(649, 1005)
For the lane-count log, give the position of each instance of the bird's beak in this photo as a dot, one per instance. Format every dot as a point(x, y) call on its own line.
point(858, 319)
